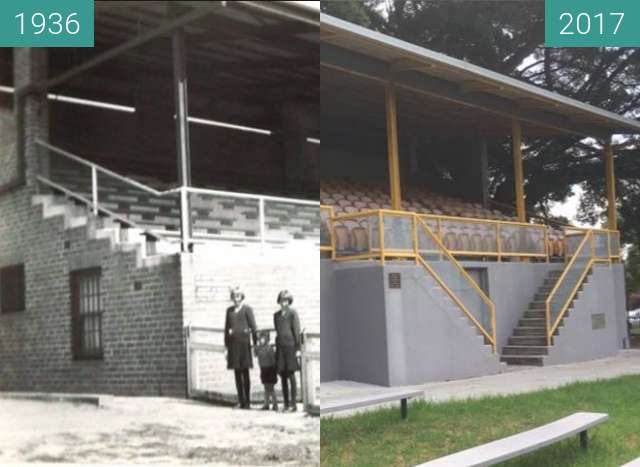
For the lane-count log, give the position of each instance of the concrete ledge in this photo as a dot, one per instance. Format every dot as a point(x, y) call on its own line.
point(92, 399)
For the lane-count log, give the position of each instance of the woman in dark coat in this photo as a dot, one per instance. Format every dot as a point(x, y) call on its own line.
point(239, 327)
point(287, 325)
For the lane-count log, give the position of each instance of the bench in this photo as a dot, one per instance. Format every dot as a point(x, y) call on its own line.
point(373, 399)
point(633, 463)
point(523, 443)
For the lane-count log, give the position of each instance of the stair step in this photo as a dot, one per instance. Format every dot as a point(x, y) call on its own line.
point(532, 322)
point(540, 314)
point(523, 360)
point(529, 331)
point(530, 350)
point(527, 340)
point(540, 297)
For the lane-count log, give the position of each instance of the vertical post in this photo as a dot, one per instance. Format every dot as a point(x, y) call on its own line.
point(584, 439)
point(498, 243)
point(416, 251)
point(261, 218)
point(381, 235)
point(516, 149)
point(484, 172)
point(403, 408)
point(187, 338)
point(546, 243)
point(182, 132)
point(392, 146)
point(612, 214)
point(303, 375)
point(94, 190)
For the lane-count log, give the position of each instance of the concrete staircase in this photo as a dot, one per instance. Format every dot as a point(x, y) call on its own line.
point(121, 237)
point(528, 344)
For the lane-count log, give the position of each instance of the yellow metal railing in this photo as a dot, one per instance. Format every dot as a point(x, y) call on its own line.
point(466, 237)
point(327, 238)
point(384, 234)
point(593, 246)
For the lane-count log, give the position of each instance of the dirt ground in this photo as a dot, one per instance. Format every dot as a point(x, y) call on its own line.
point(155, 430)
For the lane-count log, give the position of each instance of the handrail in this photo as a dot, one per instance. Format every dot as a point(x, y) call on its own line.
point(184, 192)
point(88, 202)
point(466, 276)
point(104, 170)
point(551, 327)
point(331, 248)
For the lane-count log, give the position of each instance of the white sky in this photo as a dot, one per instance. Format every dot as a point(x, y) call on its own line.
point(310, 4)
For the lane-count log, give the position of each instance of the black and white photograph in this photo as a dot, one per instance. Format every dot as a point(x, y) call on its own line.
point(159, 238)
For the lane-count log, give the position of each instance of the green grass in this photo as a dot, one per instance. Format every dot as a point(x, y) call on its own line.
point(380, 438)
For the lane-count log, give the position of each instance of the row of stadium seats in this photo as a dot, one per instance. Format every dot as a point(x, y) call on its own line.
point(352, 236)
point(355, 240)
point(211, 214)
point(346, 197)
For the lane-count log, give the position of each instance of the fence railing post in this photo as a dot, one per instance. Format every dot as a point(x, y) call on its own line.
point(263, 229)
point(185, 215)
point(94, 190)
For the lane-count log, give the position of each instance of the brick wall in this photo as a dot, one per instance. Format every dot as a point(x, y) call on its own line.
point(206, 281)
point(8, 159)
point(142, 330)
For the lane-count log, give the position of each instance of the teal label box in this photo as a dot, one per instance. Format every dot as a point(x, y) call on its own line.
point(46, 23)
point(592, 23)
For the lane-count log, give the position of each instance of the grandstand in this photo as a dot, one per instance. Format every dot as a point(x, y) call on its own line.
point(423, 277)
point(144, 177)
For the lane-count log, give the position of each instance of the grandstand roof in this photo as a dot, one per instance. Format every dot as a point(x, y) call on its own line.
point(358, 51)
point(258, 52)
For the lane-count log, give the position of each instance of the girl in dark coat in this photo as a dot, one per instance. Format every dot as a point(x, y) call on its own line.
point(287, 326)
point(239, 326)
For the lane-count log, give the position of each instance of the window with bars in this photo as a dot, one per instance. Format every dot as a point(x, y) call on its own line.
point(12, 295)
point(86, 314)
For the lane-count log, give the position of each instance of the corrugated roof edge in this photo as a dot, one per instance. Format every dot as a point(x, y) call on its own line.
point(429, 56)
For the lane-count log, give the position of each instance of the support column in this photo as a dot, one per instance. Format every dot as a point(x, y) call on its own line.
point(182, 133)
point(484, 172)
point(516, 149)
point(392, 146)
point(30, 66)
point(612, 213)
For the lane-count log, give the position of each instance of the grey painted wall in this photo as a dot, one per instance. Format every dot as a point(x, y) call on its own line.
point(426, 338)
point(429, 338)
point(577, 340)
point(330, 349)
point(361, 324)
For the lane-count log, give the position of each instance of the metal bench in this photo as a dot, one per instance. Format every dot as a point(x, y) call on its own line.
point(523, 443)
point(633, 463)
point(374, 399)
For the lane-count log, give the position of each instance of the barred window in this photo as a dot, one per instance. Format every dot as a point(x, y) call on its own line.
point(12, 296)
point(86, 314)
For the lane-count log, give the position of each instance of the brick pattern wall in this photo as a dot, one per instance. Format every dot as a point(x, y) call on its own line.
point(142, 330)
point(207, 279)
point(8, 158)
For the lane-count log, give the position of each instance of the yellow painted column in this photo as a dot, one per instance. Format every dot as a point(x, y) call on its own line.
point(516, 149)
point(392, 146)
point(611, 187)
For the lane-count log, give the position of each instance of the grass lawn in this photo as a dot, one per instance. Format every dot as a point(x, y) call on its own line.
point(433, 430)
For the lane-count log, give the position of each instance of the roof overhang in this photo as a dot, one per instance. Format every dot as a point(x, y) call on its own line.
point(358, 51)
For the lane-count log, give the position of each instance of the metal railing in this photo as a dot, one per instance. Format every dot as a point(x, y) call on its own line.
point(327, 238)
point(209, 379)
point(351, 235)
point(386, 234)
point(266, 211)
point(588, 247)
